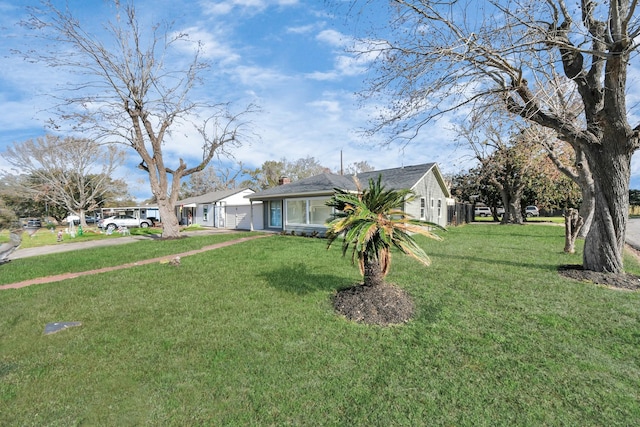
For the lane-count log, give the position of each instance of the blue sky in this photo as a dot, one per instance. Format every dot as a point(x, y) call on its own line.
point(287, 56)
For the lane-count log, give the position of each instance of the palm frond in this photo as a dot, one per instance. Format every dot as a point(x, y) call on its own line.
point(373, 220)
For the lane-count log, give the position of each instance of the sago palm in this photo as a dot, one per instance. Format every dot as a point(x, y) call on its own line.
point(372, 222)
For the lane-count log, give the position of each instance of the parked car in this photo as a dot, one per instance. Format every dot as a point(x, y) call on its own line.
point(33, 223)
point(483, 211)
point(532, 211)
point(500, 211)
point(76, 219)
point(114, 222)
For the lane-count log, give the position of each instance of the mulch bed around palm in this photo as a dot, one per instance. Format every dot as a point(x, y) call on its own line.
point(377, 305)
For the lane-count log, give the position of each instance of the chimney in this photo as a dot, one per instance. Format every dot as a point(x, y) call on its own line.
point(284, 180)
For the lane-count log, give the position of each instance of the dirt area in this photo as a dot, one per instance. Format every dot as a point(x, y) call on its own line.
point(377, 305)
point(623, 281)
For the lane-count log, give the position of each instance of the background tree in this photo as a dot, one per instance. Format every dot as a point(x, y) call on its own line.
point(507, 157)
point(8, 218)
point(71, 173)
point(435, 57)
point(269, 174)
point(551, 190)
point(210, 179)
point(572, 163)
point(358, 167)
point(132, 91)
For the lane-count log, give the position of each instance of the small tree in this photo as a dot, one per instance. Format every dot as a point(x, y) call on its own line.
point(372, 221)
point(72, 173)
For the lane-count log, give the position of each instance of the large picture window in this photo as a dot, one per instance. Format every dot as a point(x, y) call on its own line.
point(308, 211)
point(296, 211)
point(319, 213)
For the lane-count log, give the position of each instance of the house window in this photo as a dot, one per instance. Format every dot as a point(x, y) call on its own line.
point(275, 214)
point(423, 205)
point(439, 208)
point(308, 211)
point(205, 213)
point(319, 212)
point(296, 211)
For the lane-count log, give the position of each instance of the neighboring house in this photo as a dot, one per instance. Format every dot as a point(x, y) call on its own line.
point(221, 209)
point(300, 206)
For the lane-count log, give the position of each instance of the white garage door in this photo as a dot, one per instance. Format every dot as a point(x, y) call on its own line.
point(238, 217)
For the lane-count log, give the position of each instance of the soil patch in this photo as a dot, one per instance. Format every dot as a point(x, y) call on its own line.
point(622, 281)
point(377, 305)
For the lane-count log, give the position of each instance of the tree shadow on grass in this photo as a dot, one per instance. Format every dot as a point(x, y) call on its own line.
point(300, 279)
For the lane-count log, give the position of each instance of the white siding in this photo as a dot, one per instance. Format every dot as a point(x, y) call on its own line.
point(436, 200)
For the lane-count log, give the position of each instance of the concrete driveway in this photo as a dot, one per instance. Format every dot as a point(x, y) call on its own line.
point(633, 233)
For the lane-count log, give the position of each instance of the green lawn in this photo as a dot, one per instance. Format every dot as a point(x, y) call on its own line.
point(246, 335)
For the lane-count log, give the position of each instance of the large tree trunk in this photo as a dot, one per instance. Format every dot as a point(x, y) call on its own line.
point(170, 226)
point(604, 245)
point(166, 194)
point(512, 207)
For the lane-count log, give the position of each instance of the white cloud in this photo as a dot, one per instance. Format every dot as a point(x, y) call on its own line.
point(329, 107)
point(218, 8)
point(212, 44)
point(333, 38)
point(304, 29)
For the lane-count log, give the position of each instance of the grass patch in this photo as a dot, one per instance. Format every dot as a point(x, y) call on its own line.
point(44, 236)
point(533, 219)
point(245, 335)
point(99, 257)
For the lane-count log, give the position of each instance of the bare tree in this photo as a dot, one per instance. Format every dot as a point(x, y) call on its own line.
point(269, 174)
point(132, 91)
point(210, 179)
point(70, 172)
point(358, 167)
point(437, 57)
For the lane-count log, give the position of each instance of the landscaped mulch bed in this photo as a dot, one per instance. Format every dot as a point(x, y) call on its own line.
point(378, 305)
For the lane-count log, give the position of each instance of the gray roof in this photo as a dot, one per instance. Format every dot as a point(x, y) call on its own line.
point(325, 183)
point(214, 196)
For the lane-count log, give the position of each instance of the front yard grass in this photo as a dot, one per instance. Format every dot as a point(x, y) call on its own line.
point(246, 335)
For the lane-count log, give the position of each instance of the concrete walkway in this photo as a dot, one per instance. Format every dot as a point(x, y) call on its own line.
point(165, 258)
point(76, 246)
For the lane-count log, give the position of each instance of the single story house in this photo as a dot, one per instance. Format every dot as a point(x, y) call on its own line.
point(300, 206)
point(221, 209)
